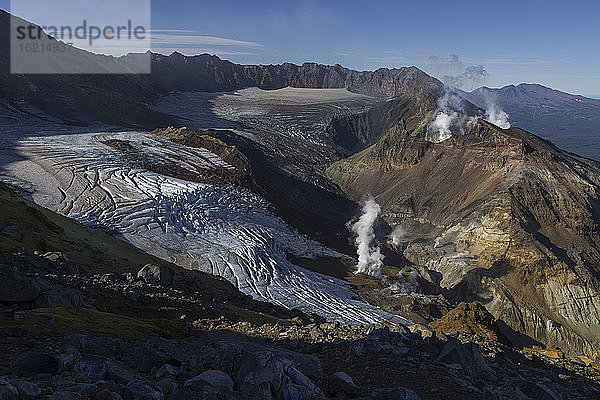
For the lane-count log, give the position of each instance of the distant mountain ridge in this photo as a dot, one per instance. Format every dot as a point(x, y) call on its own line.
point(122, 99)
point(572, 122)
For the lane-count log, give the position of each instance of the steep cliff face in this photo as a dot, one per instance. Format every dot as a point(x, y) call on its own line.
point(505, 217)
point(208, 73)
point(404, 115)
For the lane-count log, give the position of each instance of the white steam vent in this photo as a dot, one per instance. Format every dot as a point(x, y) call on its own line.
point(494, 114)
point(450, 118)
point(448, 121)
point(398, 234)
point(370, 258)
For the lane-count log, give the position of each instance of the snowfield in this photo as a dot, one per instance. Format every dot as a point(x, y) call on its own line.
point(223, 230)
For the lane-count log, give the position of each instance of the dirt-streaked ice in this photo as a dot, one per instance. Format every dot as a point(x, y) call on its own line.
point(293, 112)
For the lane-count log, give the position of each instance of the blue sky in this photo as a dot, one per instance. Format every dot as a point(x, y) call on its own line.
point(549, 42)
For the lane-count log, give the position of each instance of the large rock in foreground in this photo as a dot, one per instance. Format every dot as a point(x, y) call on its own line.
point(17, 288)
point(470, 319)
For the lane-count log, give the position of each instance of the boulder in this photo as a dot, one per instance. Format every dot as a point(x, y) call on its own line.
point(296, 386)
point(317, 333)
point(215, 378)
point(168, 385)
point(219, 356)
point(423, 330)
point(52, 296)
point(157, 275)
point(95, 368)
point(64, 395)
point(340, 384)
point(27, 390)
point(144, 358)
point(537, 391)
point(167, 370)
point(397, 393)
point(171, 347)
point(142, 390)
point(17, 288)
point(399, 328)
point(221, 350)
point(35, 363)
point(67, 361)
point(110, 278)
point(379, 343)
point(119, 372)
point(7, 390)
point(263, 373)
point(468, 356)
point(90, 344)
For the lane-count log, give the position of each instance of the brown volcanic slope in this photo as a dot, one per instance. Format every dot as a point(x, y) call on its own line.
point(505, 217)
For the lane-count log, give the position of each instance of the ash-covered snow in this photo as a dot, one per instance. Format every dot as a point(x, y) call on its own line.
point(293, 112)
point(223, 230)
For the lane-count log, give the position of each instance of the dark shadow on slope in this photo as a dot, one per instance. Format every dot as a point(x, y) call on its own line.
point(353, 133)
point(194, 110)
point(469, 289)
point(532, 226)
point(517, 339)
point(314, 211)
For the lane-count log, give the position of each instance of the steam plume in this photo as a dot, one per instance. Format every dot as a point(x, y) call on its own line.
point(497, 117)
point(455, 75)
point(398, 234)
point(370, 258)
point(441, 126)
point(494, 113)
point(448, 120)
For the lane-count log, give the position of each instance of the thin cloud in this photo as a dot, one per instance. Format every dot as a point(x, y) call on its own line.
point(508, 60)
point(391, 58)
point(168, 39)
point(383, 58)
point(172, 31)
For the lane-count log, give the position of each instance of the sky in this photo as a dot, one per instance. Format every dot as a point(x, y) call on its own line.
point(554, 43)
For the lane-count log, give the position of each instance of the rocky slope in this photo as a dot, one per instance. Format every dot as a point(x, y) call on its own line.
point(503, 216)
point(86, 316)
point(470, 319)
point(151, 335)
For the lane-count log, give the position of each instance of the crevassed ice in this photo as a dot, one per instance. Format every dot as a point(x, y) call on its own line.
point(223, 230)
